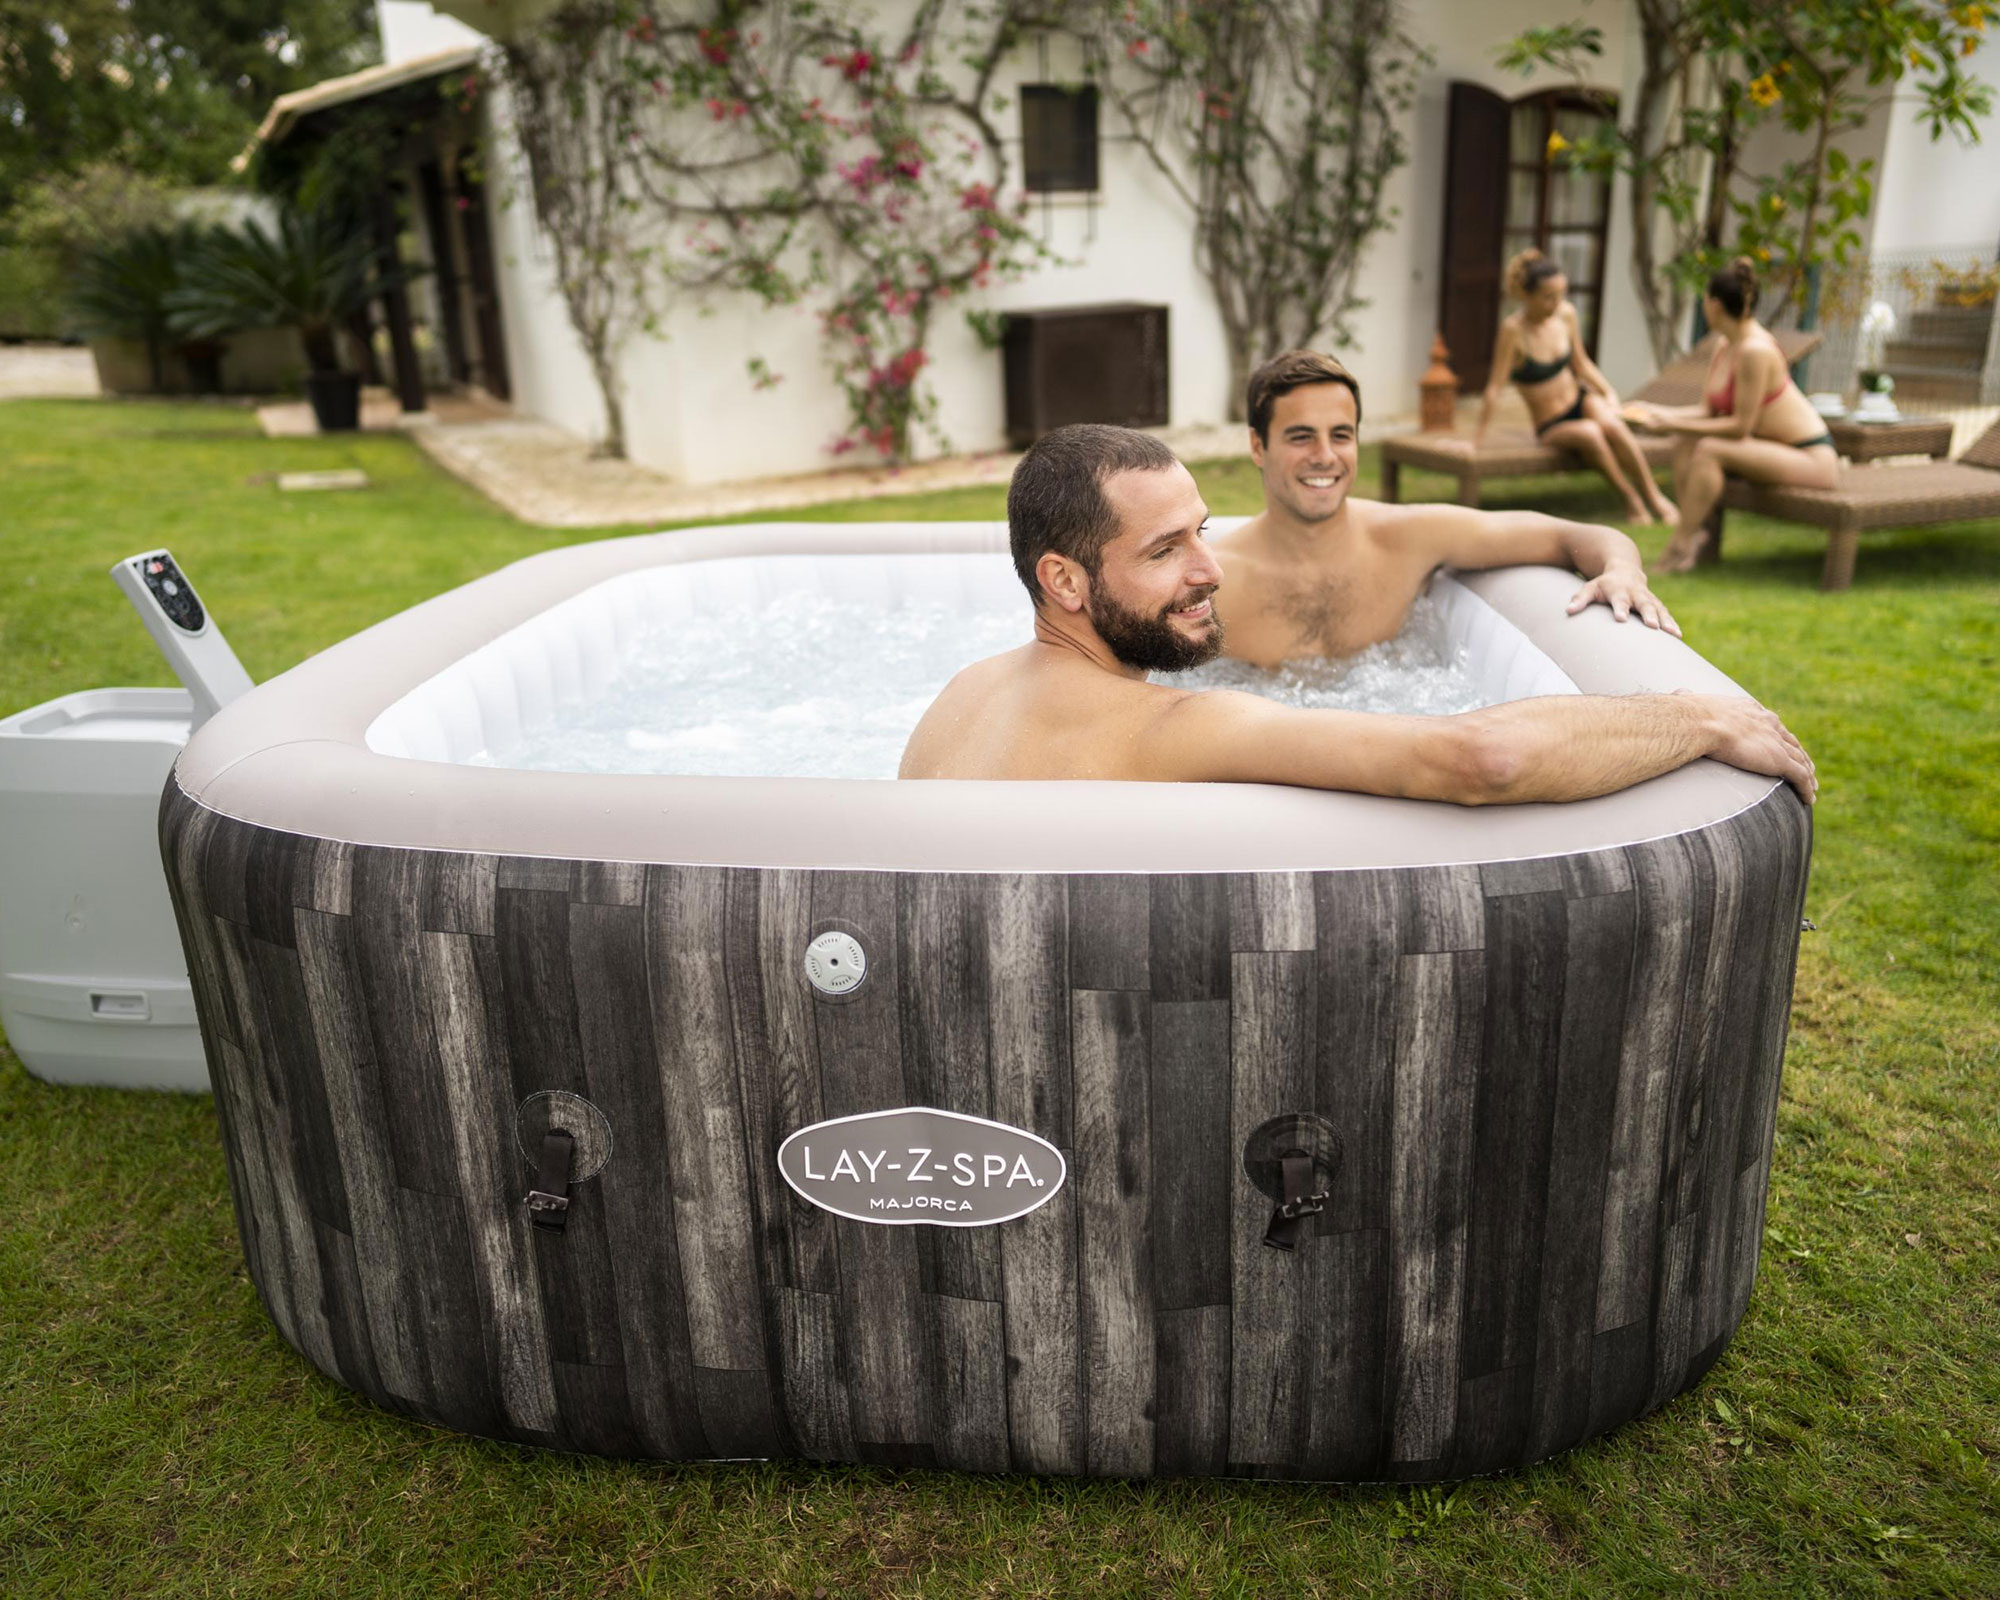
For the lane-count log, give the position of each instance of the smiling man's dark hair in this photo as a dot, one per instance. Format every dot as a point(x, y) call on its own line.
point(1057, 501)
point(1293, 369)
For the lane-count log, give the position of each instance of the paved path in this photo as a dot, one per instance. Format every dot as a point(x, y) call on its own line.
point(548, 476)
point(47, 372)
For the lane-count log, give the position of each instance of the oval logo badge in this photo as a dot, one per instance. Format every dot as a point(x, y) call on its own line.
point(917, 1164)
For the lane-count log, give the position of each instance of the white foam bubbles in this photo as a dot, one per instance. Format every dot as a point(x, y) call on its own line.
point(812, 686)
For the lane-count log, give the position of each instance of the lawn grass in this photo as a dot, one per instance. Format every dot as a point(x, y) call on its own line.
point(160, 1439)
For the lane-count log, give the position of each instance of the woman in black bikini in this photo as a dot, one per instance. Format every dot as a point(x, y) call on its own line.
point(1540, 348)
point(1755, 425)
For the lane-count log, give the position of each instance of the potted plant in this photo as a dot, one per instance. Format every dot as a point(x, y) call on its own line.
point(311, 272)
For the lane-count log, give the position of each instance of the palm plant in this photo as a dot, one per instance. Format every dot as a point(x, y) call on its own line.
point(312, 272)
point(127, 287)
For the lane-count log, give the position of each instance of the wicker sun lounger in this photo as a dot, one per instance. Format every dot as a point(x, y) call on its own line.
point(1517, 453)
point(1873, 497)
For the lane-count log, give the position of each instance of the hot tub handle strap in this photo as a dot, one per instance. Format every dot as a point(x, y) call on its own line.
point(1288, 1221)
point(548, 1201)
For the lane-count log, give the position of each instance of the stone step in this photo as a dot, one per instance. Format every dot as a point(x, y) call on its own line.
point(1944, 361)
point(1957, 325)
point(1914, 389)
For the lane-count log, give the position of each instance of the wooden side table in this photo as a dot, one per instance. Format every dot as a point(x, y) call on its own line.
point(1907, 436)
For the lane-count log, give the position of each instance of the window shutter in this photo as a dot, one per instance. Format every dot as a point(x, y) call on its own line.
point(1475, 217)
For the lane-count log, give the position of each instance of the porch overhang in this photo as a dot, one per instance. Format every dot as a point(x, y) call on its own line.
point(289, 110)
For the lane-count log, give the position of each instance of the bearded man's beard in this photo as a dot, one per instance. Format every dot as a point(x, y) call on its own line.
point(1153, 643)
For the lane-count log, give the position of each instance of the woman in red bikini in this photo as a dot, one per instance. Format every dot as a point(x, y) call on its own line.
point(1540, 348)
point(1755, 425)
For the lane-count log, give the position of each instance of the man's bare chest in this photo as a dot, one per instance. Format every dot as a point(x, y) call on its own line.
point(1285, 615)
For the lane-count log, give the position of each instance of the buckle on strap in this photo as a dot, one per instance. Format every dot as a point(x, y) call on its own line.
point(548, 1201)
point(1288, 1220)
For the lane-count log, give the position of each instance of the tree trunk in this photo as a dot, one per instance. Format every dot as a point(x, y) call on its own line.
point(1655, 73)
point(321, 355)
point(606, 371)
point(1795, 290)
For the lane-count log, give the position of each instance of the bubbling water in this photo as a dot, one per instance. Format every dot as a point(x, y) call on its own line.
point(1416, 673)
point(807, 686)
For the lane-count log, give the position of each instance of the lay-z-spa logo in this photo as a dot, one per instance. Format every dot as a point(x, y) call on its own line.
point(920, 1165)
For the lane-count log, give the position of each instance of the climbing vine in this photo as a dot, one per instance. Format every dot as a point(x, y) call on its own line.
point(820, 151)
point(786, 149)
point(576, 116)
point(1278, 123)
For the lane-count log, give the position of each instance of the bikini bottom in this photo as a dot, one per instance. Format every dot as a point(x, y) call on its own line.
point(1807, 444)
point(1574, 413)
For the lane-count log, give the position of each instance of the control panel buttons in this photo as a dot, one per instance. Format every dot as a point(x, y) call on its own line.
point(173, 593)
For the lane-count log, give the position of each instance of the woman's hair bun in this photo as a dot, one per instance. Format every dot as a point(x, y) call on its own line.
point(1735, 286)
point(1528, 270)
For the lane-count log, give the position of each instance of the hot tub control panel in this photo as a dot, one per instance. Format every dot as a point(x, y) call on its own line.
point(184, 631)
point(174, 593)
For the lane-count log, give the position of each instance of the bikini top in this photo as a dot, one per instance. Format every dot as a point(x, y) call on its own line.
point(1529, 370)
point(1723, 401)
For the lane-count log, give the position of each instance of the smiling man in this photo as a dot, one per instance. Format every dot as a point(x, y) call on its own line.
point(1321, 573)
point(1109, 536)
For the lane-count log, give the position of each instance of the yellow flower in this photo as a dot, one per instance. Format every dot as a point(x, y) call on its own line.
point(1971, 44)
point(1973, 17)
point(1764, 90)
point(1763, 255)
point(1776, 202)
point(1557, 144)
point(1917, 59)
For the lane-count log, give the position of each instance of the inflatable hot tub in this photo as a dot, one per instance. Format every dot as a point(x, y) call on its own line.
point(1166, 1129)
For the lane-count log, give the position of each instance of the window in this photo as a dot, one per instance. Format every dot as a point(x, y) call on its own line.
point(1058, 138)
point(1560, 209)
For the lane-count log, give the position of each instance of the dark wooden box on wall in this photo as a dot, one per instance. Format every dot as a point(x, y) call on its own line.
point(1101, 363)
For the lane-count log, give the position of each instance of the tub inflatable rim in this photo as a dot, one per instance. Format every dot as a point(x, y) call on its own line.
point(293, 755)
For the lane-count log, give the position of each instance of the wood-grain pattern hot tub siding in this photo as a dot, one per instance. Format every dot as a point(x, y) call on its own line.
point(1553, 1084)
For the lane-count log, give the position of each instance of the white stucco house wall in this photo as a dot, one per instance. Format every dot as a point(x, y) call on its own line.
point(694, 414)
